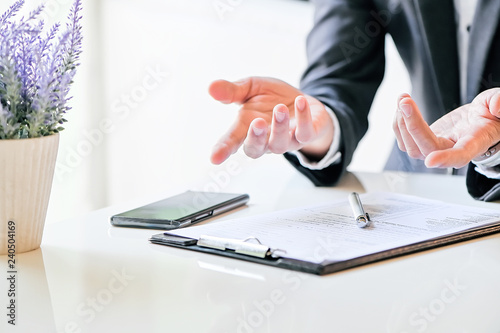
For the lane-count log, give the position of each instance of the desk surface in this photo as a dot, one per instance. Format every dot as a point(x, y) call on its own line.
point(92, 277)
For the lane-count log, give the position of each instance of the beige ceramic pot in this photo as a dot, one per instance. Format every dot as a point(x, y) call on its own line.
point(26, 174)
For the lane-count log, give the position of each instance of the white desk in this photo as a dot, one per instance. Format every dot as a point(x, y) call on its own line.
point(91, 277)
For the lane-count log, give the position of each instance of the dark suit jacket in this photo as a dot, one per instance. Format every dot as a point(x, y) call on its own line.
point(346, 65)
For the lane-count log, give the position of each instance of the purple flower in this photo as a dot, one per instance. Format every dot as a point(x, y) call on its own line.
point(36, 72)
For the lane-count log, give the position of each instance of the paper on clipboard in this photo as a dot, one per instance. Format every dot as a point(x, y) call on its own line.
point(328, 232)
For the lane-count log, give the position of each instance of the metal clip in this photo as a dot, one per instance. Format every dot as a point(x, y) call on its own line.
point(239, 246)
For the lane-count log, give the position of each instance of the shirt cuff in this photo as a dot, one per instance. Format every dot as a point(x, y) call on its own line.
point(490, 172)
point(332, 156)
point(488, 164)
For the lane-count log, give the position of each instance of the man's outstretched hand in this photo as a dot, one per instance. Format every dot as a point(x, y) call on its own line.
point(274, 117)
point(454, 139)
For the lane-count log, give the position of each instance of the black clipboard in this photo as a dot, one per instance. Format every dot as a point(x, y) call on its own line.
point(273, 257)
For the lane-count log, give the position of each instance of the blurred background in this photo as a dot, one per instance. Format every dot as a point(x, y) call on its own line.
point(142, 120)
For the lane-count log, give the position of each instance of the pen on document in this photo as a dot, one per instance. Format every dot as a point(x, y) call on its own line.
point(362, 218)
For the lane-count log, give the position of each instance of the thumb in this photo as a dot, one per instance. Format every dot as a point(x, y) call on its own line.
point(457, 156)
point(448, 158)
point(231, 92)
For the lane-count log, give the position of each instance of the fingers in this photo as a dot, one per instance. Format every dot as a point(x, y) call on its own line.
point(412, 132)
point(279, 139)
point(494, 103)
point(233, 92)
point(256, 139)
point(305, 130)
point(397, 122)
point(448, 158)
point(228, 144)
point(406, 142)
point(456, 157)
point(256, 142)
point(220, 153)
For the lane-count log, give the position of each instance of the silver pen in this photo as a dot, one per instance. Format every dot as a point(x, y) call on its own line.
point(362, 218)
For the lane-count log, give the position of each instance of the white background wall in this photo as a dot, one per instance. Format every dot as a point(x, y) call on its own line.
point(132, 133)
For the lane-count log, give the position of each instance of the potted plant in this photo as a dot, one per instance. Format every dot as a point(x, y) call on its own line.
point(37, 67)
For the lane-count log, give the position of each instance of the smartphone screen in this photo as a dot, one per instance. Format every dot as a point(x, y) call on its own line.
point(181, 210)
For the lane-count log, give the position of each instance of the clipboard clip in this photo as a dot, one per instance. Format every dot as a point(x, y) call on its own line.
point(239, 246)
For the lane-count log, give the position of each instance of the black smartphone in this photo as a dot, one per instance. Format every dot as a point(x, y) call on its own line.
point(180, 211)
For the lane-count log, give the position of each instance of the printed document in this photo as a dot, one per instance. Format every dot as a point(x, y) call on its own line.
point(328, 232)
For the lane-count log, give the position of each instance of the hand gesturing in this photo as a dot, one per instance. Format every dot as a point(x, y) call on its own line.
point(274, 117)
point(454, 139)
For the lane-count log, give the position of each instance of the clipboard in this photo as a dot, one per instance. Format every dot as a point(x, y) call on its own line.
point(458, 223)
point(326, 267)
point(192, 244)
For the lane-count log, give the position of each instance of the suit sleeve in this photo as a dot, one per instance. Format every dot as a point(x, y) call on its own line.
point(481, 187)
point(345, 51)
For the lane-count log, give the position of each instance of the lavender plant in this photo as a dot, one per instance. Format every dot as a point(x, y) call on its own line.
point(36, 72)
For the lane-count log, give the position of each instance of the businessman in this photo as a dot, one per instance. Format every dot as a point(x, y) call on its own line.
point(451, 49)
